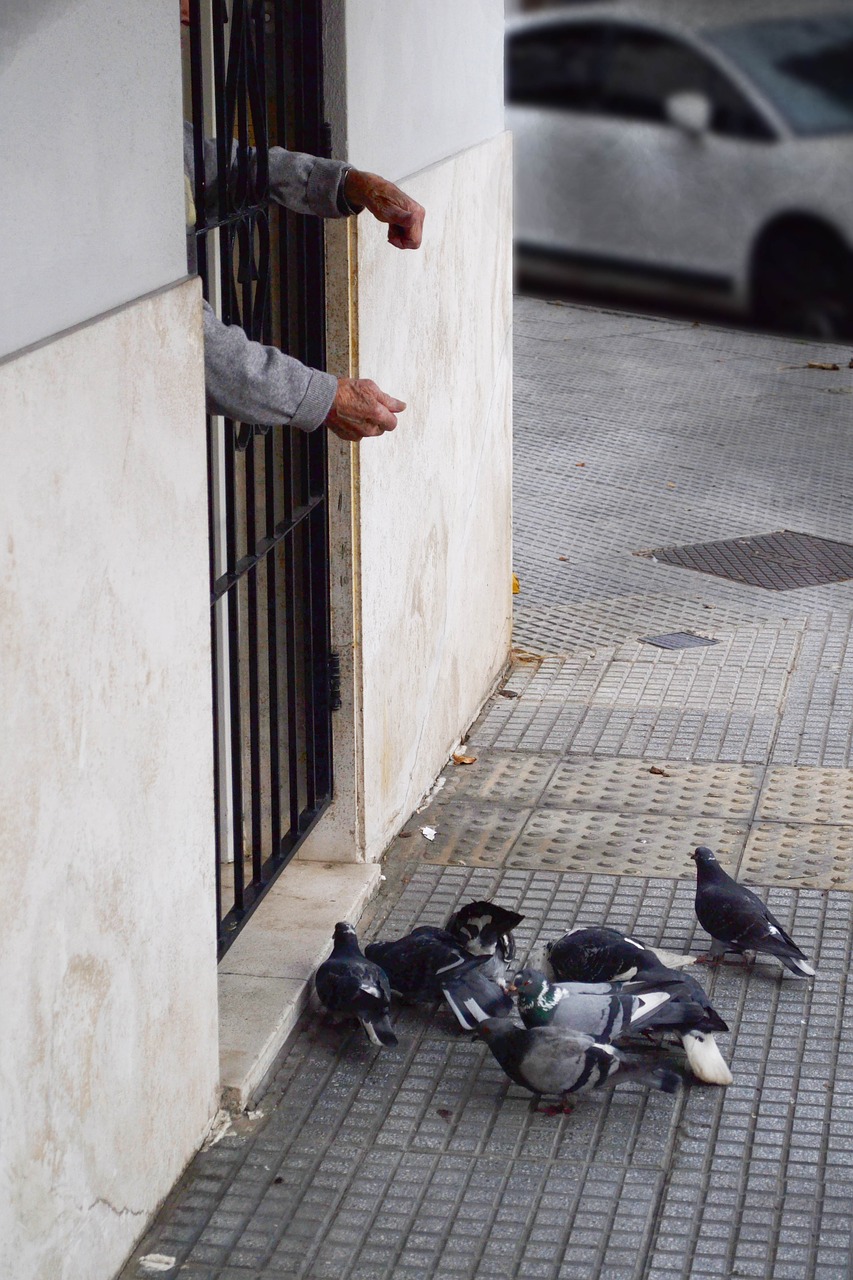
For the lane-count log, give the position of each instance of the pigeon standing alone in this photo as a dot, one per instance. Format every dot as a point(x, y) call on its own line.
point(601, 954)
point(351, 984)
point(554, 1061)
point(738, 920)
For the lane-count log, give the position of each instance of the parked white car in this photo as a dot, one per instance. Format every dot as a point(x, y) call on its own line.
point(671, 157)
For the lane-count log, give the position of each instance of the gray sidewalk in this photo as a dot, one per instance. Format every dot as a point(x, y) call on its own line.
point(425, 1162)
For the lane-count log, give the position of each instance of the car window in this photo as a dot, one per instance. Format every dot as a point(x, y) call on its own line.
point(556, 66)
point(803, 65)
point(644, 68)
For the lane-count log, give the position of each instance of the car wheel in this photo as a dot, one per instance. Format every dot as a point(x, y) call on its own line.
point(803, 283)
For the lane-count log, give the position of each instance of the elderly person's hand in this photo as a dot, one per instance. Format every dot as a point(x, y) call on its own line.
point(361, 409)
point(387, 203)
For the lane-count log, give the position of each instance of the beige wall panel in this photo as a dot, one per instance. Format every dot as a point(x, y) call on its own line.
point(434, 328)
point(108, 1043)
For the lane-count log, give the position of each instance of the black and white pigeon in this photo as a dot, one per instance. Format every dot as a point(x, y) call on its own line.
point(553, 1061)
point(485, 928)
point(701, 1019)
point(599, 1009)
point(601, 954)
point(351, 984)
point(430, 964)
point(738, 920)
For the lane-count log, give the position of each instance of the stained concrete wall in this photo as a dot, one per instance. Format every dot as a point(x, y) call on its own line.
point(421, 520)
point(435, 498)
point(108, 1036)
point(92, 213)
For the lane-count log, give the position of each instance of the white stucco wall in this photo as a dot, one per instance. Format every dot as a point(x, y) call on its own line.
point(92, 210)
point(108, 1036)
point(410, 84)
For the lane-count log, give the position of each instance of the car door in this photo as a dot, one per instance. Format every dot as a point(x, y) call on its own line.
point(603, 178)
point(554, 75)
point(676, 202)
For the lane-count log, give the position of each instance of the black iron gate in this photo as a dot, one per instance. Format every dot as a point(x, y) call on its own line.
point(256, 78)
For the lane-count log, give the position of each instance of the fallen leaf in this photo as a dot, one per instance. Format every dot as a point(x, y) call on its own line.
point(565, 558)
point(457, 759)
point(817, 364)
point(405, 835)
point(580, 464)
point(516, 585)
point(670, 484)
point(660, 773)
point(429, 833)
point(444, 1113)
point(508, 693)
point(521, 655)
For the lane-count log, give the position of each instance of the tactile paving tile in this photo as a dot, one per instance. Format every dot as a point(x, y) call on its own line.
point(468, 834)
point(808, 856)
point(677, 788)
point(794, 795)
point(604, 843)
point(500, 778)
point(780, 561)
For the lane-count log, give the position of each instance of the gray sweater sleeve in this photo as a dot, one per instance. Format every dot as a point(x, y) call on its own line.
point(303, 183)
point(246, 380)
point(249, 382)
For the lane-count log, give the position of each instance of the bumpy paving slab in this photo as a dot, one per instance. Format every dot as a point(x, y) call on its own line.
point(598, 766)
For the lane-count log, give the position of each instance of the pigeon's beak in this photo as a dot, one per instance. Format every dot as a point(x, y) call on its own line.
point(693, 856)
point(512, 989)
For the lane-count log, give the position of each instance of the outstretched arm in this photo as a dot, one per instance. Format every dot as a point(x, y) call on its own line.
point(387, 203)
point(250, 382)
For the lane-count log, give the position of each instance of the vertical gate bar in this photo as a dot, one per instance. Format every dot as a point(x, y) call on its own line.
point(311, 660)
point(232, 597)
point(253, 660)
point(290, 666)
point(272, 654)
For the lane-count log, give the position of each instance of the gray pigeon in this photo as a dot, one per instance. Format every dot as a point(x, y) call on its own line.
point(738, 920)
point(553, 1061)
point(597, 1009)
point(348, 983)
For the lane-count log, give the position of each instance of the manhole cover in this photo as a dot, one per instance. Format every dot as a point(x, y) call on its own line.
point(678, 640)
point(780, 561)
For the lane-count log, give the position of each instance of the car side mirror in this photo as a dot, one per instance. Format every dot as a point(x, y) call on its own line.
point(689, 111)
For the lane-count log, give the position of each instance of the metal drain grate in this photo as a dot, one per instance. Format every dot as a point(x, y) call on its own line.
point(781, 561)
point(678, 640)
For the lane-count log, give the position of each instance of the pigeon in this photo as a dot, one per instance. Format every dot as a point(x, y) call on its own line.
point(600, 954)
point(351, 984)
point(430, 964)
point(738, 920)
point(484, 928)
point(700, 1022)
point(555, 1061)
point(599, 1009)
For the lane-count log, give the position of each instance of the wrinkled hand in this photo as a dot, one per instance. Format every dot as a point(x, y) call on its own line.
point(361, 409)
point(387, 203)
